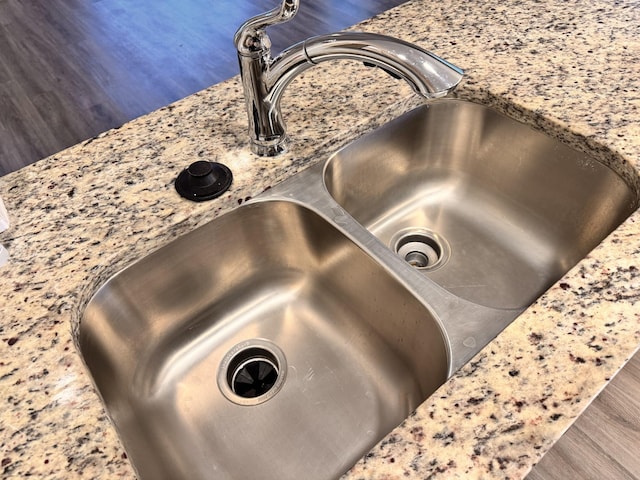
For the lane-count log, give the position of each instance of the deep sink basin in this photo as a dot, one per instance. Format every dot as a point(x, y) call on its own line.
point(488, 208)
point(285, 338)
point(262, 345)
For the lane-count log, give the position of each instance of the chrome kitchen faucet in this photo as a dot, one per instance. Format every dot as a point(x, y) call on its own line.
point(264, 78)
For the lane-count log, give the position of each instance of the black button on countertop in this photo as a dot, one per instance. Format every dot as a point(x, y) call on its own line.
point(203, 180)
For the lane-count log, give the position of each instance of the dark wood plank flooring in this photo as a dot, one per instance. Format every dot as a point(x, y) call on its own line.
point(604, 442)
point(70, 69)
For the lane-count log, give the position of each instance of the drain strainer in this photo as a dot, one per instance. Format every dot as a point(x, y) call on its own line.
point(252, 372)
point(421, 248)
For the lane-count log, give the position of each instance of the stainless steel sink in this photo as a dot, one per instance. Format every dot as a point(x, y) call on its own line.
point(263, 345)
point(287, 337)
point(488, 208)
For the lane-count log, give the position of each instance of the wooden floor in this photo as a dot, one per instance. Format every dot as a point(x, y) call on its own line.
point(70, 69)
point(604, 443)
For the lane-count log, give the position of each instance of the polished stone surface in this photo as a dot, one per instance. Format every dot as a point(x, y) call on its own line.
point(567, 68)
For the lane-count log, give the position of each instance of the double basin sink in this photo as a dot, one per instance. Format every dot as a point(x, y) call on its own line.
point(287, 337)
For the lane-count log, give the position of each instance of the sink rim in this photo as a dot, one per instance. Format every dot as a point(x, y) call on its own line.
point(333, 213)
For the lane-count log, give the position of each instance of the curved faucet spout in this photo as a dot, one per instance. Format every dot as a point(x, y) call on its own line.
point(428, 74)
point(265, 79)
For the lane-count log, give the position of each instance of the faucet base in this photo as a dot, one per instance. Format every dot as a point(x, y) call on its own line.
point(270, 148)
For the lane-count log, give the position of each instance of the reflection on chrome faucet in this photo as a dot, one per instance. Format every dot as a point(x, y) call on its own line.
point(264, 78)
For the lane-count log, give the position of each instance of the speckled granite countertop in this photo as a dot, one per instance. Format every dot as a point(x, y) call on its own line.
point(569, 68)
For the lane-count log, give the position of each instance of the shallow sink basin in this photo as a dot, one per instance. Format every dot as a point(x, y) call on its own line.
point(488, 208)
point(263, 345)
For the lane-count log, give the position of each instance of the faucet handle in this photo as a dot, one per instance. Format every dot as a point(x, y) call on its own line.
point(251, 37)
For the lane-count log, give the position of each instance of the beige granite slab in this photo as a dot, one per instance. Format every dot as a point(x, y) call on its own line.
point(569, 68)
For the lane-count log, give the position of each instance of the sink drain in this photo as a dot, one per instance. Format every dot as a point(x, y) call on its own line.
point(254, 376)
point(252, 372)
point(420, 248)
